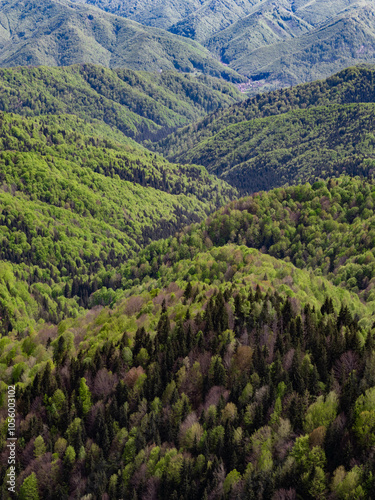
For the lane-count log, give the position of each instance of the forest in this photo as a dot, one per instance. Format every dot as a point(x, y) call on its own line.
point(76, 203)
point(304, 133)
point(167, 337)
point(222, 368)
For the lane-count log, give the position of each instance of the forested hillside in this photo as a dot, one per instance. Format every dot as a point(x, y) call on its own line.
point(219, 371)
point(187, 278)
point(288, 136)
point(76, 204)
point(140, 105)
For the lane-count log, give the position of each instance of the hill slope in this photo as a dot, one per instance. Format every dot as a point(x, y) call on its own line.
point(58, 32)
point(286, 136)
point(140, 105)
point(327, 227)
point(196, 19)
point(220, 372)
point(76, 204)
point(212, 17)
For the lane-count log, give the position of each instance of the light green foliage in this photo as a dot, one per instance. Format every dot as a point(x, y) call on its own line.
point(347, 485)
point(192, 435)
point(60, 446)
point(29, 488)
point(322, 412)
point(39, 447)
point(261, 443)
point(364, 425)
point(84, 396)
point(58, 399)
point(231, 480)
point(73, 194)
point(69, 456)
point(129, 450)
point(74, 430)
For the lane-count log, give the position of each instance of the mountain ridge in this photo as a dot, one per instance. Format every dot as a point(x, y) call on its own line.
point(68, 33)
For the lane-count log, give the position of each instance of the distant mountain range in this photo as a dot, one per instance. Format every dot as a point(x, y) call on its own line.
point(275, 43)
point(272, 43)
point(60, 33)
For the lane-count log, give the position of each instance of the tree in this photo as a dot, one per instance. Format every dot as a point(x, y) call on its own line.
point(39, 447)
point(84, 397)
point(29, 488)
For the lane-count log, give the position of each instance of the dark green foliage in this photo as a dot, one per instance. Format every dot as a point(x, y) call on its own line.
point(221, 416)
point(138, 104)
point(294, 135)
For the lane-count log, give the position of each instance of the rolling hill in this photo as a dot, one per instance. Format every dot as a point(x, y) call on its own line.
point(76, 204)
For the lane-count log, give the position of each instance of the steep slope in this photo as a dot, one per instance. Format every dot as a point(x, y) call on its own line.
point(158, 13)
point(212, 17)
point(140, 105)
point(58, 32)
point(76, 204)
point(286, 136)
point(297, 146)
point(287, 43)
point(196, 19)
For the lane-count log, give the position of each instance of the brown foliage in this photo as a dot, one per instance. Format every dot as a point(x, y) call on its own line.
point(132, 376)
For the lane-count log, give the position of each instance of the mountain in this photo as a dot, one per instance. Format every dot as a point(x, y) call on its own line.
point(76, 203)
point(288, 136)
point(218, 371)
point(140, 105)
point(196, 19)
point(61, 33)
point(212, 17)
point(157, 13)
point(275, 44)
point(285, 43)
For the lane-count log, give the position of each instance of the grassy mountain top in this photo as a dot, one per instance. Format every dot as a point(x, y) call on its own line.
point(299, 134)
point(75, 205)
point(58, 32)
point(140, 105)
